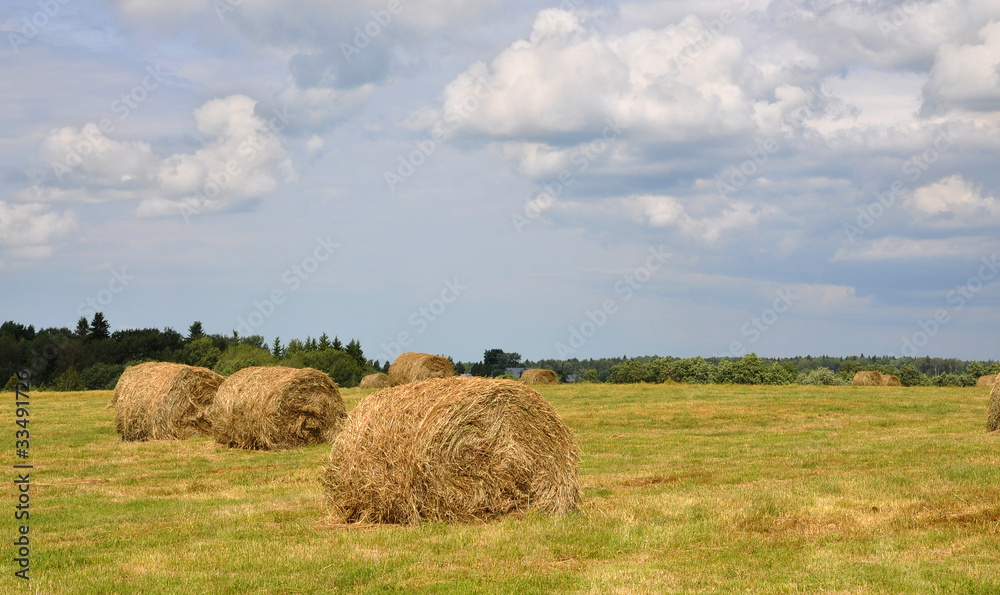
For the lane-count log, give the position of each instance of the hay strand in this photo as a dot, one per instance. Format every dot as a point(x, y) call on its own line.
point(867, 378)
point(411, 367)
point(539, 376)
point(988, 380)
point(378, 380)
point(271, 408)
point(163, 401)
point(453, 449)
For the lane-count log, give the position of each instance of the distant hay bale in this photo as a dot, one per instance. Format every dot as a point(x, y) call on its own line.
point(867, 378)
point(411, 367)
point(539, 376)
point(890, 380)
point(453, 449)
point(993, 411)
point(163, 401)
point(270, 408)
point(378, 380)
point(988, 380)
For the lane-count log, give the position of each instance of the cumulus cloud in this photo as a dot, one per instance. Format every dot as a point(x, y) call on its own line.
point(682, 81)
point(241, 159)
point(953, 202)
point(667, 211)
point(29, 230)
point(966, 75)
point(706, 223)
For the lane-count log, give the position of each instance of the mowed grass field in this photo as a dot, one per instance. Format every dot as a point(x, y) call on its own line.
point(686, 489)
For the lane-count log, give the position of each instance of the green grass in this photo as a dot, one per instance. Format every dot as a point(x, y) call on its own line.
point(703, 489)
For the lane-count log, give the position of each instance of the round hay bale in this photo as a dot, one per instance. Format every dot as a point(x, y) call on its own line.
point(378, 380)
point(993, 411)
point(452, 449)
point(411, 367)
point(270, 408)
point(988, 380)
point(539, 376)
point(163, 401)
point(890, 380)
point(867, 378)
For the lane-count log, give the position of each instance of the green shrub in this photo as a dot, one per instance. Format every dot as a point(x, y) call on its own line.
point(101, 376)
point(68, 381)
point(693, 370)
point(241, 356)
point(820, 376)
point(752, 370)
point(201, 352)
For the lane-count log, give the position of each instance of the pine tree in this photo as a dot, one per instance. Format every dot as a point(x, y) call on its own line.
point(337, 344)
point(276, 347)
point(195, 331)
point(99, 327)
point(82, 328)
point(354, 350)
point(324, 341)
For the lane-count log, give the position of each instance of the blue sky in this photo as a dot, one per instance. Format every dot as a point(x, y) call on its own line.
point(574, 179)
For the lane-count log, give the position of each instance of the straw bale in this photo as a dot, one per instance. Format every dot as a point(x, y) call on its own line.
point(275, 407)
point(163, 401)
point(453, 449)
point(411, 367)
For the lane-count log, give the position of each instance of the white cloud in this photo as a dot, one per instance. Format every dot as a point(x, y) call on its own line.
point(902, 248)
point(967, 74)
point(241, 159)
point(667, 211)
point(566, 79)
point(29, 230)
point(952, 203)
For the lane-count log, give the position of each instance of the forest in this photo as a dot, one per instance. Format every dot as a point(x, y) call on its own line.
point(92, 357)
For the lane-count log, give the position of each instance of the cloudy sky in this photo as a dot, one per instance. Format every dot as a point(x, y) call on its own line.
point(584, 179)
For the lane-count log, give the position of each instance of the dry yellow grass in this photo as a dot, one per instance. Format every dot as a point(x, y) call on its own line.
point(453, 449)
point(163, 401)
point(268, 408)
point(412, 366)
point(988, 380)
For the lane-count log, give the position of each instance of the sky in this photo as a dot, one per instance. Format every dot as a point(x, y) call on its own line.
point(584, 178)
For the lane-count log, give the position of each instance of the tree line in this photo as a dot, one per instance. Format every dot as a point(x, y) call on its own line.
point(750, 369)
point(91, 357)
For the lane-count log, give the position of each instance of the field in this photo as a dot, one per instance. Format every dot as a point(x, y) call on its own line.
point(687, 489)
